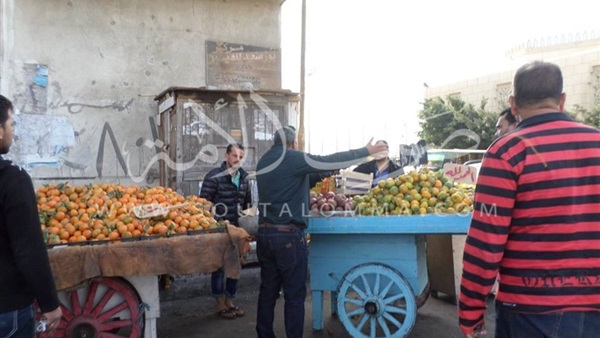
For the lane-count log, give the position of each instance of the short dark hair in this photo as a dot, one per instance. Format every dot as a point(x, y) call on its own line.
point(536, 82)
point(234, 145)
point(287, 134)
point(508, 116)
point(5, 106)
point(384, 142)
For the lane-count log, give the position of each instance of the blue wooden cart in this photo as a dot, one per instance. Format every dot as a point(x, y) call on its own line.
point(375, 269)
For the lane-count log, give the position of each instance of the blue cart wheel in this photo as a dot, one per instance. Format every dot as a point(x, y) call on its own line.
point(374, 300)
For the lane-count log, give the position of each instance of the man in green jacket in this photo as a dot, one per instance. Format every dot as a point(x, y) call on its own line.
point(283, 190)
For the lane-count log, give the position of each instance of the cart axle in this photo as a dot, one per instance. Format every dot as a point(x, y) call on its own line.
point(371, 308)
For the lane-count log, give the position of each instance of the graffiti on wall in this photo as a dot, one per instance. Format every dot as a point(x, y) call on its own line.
point(76, 108)
point(141, 144)
point(51, 142)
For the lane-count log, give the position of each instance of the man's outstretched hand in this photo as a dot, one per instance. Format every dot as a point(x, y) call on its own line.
point(376, 148)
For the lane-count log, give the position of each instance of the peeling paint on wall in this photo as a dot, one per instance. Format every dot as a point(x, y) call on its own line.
point(33, 97)
point(42, 140)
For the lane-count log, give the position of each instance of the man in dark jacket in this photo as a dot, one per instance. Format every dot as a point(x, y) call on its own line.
point(25, 273)
point(282, 179)
point(228, 189)
point(381, 167)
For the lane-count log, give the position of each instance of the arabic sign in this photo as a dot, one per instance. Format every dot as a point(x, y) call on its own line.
point(235, 66)
point(461, 173)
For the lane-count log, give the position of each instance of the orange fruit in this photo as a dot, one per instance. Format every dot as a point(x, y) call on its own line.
point(70, 228)
point(121, 228)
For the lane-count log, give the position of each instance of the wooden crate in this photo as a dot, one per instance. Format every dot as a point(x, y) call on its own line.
point(353, 183)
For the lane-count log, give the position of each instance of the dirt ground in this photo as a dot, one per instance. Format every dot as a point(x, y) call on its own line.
point(186, 314)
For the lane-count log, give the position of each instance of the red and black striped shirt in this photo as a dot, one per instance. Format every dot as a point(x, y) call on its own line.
point(536, 222)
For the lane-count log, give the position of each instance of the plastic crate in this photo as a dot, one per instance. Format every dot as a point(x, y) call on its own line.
point(353, 183)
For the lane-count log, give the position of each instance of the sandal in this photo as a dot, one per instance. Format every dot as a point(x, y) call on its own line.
point(237, 311)
point(227, 314)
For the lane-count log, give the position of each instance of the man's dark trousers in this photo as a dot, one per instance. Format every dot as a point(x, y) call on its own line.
point(283, 258)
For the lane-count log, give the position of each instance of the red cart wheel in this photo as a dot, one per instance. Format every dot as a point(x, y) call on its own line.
point(105, 308)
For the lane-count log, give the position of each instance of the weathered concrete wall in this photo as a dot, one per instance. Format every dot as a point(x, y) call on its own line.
point(83, 75)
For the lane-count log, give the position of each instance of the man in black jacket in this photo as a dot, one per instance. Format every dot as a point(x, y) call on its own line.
point(228, 189)
point(282, 179)
point(381, 167)
point(25, 273)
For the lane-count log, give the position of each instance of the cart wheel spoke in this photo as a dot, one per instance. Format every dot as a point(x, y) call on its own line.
point(58, 334)
point(106, 315)
point(108, 335)
point(373, 327)
point(376, 286)
point(75, 305)
point(63, 323)
point(393, 309)
point(354, 301)
point(392, 320)
point(393, 298)
point(356, 312)
point(102, 303)
point(360, 292)
point(384, 326)
point(356, 308)
point(67, 314)
point(387, 288)
point(89, 301)
point(362, 323)
point(117, 324)
point(368, 291)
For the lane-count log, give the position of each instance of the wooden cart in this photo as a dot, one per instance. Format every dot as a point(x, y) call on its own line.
point(111, 290)
point(375, 269)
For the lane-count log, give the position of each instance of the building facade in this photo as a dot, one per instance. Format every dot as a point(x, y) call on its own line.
point(83, 76)
point(578, 56)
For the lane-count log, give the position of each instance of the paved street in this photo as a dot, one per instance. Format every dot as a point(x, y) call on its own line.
point(187, 312)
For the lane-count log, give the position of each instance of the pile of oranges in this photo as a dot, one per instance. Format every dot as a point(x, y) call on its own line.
point(102, 212)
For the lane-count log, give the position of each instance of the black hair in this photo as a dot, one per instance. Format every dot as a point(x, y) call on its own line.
point(5, 106)
point(287, 134)
point(508, 116)
point(384, 142)
point(234, 145)
point(536, 82)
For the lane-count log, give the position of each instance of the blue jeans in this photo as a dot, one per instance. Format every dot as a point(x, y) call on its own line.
point(18, 323)
point(223, 286)
point(283, 259)
point(552, 325)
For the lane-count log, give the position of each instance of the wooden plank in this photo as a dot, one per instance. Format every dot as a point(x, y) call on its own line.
point(332, 256)
point(418, 224)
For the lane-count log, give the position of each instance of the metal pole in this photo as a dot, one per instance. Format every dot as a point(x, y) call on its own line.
point(301, 141)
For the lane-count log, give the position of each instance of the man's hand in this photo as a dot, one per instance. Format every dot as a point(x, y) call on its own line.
point(479, 331)
point(376, 148)
point(53, 318)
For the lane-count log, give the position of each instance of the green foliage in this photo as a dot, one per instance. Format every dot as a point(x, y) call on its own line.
point(581, 114)
point(452, 123)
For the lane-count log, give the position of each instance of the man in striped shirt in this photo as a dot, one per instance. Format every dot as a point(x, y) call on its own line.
point(536, 220)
